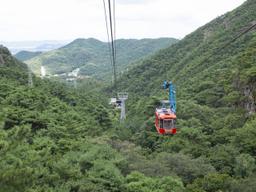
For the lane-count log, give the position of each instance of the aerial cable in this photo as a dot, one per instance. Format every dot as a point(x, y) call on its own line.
point(238, 36)
point(224, 46)
point(111, 37)
point(231, 41)
point(120, 97)
point(109, 45)
point(112, 41)
point(114, 18)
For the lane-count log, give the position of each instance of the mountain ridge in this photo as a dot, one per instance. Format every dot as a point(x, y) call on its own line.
point(92, 56)
point(25, 55)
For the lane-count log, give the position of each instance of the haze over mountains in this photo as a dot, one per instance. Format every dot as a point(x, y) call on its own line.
point(33, 46)
point(92, 56)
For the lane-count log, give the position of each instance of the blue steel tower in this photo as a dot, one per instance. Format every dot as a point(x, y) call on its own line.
point(172, 95)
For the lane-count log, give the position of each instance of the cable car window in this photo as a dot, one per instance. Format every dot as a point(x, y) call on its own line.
point(161, 123)
point(168, 124)
point(118, 103)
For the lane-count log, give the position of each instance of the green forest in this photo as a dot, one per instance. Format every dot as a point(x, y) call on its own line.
point(56, 138)
point(92, 56)
point(26, 55)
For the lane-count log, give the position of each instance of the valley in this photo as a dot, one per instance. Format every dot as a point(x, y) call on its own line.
point(92, 58)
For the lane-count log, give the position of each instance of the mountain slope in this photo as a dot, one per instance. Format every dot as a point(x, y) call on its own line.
point(11, 68)
point(26, 55)
point(54, 138)
point(198, 58)
point(216, 97)
point(92, 56)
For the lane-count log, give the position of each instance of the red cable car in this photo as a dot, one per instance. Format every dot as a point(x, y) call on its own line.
point(165, 121)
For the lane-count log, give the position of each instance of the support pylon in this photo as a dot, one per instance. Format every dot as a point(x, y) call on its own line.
point(30, 78)
point(122, 97)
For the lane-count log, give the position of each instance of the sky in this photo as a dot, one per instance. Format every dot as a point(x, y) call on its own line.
point(30, 20)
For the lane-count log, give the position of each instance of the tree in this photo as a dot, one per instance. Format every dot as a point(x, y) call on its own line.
point(244, 165)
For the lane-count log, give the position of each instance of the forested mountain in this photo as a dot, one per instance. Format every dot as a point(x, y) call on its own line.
point(55, 138)
point(92, 56)
point(26, 55)
point(215, 76)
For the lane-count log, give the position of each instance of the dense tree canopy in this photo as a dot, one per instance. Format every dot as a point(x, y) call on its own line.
point(56, 138)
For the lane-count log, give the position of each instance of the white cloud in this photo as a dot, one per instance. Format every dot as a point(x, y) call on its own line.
point(70, 19)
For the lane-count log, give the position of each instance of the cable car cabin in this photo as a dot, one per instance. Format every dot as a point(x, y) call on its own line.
point(115, 103)
point(118, 104)
point(165, 121)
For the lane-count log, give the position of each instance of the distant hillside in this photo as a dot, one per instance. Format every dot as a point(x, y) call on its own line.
point(26, 55)
point(92, 56)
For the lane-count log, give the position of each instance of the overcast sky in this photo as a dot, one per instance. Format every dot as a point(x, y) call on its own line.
point(22, 20)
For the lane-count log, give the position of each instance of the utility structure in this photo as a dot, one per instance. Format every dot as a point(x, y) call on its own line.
point(122, 98)
point(30, 77)
point(118, 99)
point(73, 76)
point(110, 20)
point(42, 72)
point(165, 116)
point(172, 95)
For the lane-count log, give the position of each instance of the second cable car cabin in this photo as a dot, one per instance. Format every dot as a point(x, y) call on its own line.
point(165, 116)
